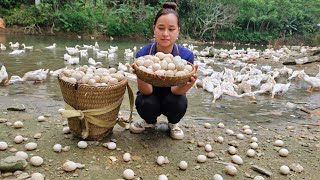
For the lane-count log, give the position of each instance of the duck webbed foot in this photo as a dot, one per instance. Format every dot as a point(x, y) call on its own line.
point(310, 90)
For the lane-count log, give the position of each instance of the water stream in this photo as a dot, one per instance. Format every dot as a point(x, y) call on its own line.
point(200, 106)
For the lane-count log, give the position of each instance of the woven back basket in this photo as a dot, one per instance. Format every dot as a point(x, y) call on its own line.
point(163, 81)
point(83, 97)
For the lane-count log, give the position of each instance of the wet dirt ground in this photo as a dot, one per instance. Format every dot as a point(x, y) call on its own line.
point(300, 135)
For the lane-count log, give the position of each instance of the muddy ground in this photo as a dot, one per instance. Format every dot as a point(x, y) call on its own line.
point(300, 135)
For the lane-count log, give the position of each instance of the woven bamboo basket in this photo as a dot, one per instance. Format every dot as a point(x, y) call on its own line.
point(83, 97)
point(163, 81)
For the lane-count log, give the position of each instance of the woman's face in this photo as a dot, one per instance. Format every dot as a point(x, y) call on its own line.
point(166, 30)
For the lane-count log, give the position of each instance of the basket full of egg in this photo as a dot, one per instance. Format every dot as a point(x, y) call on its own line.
point(163, 70)
point(92, 100)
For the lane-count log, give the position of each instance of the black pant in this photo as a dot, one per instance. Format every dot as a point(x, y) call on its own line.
point(161, 101)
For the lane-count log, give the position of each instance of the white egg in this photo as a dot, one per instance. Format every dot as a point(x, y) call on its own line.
point(57, 148)
point(36, 160)
point(160, 72)
point(3, 146)
point(278, 143)
point(183, 165)
point(164, 65)
point(128, 174)
point(22, 154)
point(37, 176)
point(18, 124)
point(245, 127)
point(251, 152)
point(41, 118)
point(240, 136)
point(126, 157)
point(71, 80)
point(284, 170)
point(92, 82)
point(188, 68)
point(221, 125)
point(232, 150)
point(162, 177)
point(82, 144)
point(201, 158)
point(207, 125)
point(208, 148)
point(156, 67)
point(217, 177)
point(111, 145)
point(231, 170)
point(69, 166)
point(112, 70)
point(66, 130)
point(254, 139)
point(147, 63)
point(31, 146)
point(236, 159)
point(247, 131)
point(258, 178)
point(254, 145)
point(220, 139)
point(113, 81)
point(161, 160)
point(139, 62)
point(169, 73)
point(171, 66)
point(180, 73)
point(283, 152)
point(18, 139)
point(229, 131)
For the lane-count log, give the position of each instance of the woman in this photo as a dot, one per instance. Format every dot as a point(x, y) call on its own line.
point(153, 101)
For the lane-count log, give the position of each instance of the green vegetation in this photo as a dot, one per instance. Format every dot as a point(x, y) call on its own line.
point(254, 21)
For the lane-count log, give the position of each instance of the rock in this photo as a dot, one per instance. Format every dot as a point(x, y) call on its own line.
point(296, 167)
point(17, 107)
point(3, 120)
point(13, 163)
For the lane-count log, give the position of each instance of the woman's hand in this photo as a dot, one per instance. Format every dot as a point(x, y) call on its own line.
point(178, 90)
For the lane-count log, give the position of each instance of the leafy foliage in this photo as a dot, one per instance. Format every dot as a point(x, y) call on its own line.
point(232, 20)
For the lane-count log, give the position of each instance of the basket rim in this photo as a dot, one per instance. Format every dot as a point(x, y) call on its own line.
point(124, 81)
point(164, 78)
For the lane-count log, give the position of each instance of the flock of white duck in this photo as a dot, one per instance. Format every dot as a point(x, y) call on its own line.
point(244, 78)
point(72, 57)
point(241, 76)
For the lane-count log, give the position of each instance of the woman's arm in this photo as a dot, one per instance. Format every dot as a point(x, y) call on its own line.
point(143, 87)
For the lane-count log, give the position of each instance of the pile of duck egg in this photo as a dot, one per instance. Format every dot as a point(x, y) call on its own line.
point(92, 76)
point(164, 65)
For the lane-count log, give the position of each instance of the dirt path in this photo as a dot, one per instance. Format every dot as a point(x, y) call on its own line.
point(302, 141)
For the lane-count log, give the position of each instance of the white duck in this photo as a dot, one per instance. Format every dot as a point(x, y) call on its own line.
point(37, 76)
point(266, 87)
point(3, 47)
point(280, 89)
point(53, 46)
point(3, 76)
point(314, 82)
point(96, 45)
point(301, 61)
point(94, 63)
point(17, 51)
point(14, 46)
point(73, 60)
point(72, 50)
point(28, 48)
point(217, 93)
point(123, 67)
